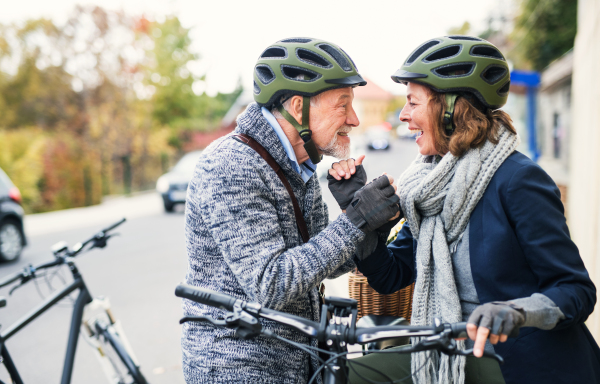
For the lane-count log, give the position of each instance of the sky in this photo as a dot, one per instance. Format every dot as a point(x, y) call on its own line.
point(230, 35)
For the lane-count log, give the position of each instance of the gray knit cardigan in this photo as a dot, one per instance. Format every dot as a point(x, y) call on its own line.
point(242, 240)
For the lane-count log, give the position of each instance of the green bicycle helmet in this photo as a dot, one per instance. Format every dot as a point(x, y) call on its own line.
point(306, 67)
point(459, 65)
point(322, 64)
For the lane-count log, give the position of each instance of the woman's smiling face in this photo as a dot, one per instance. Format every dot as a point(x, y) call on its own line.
point(416, 114)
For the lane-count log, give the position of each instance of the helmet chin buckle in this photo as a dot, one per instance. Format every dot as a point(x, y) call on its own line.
point(303, 129)
point(448, 119)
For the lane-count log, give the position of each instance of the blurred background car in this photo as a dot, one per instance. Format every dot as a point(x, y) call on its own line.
point(172, 186)
point(12, 235)
point(379, 136)
point(403, 132)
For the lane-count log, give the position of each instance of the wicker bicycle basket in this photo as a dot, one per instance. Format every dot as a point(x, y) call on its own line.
point(372, 303)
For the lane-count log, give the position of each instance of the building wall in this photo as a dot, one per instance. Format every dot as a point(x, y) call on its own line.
point(584, 186)
point(554, 126)
point(370, 112)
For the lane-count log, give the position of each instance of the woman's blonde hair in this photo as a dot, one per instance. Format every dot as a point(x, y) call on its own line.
point(473, 127)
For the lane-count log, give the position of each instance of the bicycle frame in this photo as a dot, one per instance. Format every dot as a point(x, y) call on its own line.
point(82, 300)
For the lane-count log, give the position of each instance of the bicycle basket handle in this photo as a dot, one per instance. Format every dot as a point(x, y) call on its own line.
point(205, 296)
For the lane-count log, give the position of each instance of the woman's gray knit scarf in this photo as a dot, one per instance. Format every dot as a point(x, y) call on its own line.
point(437, 198)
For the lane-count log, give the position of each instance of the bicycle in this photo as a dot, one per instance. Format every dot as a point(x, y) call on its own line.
point(337, 333)
point(92, 315)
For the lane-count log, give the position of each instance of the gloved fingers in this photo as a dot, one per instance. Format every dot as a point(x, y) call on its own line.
point(381, 182)
point(498, 325)
point(388, 191)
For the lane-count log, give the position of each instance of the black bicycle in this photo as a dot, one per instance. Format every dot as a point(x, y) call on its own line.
point(337, 333)
point(93, 316)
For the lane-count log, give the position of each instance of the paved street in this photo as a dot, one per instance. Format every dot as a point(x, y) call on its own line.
point(138, 271)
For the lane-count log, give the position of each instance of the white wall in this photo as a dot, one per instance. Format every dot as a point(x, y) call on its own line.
point(584, 187)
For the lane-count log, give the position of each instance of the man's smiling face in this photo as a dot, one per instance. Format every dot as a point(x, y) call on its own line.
point(331, 121)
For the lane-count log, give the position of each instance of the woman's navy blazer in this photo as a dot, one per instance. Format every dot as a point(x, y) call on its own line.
point(519, 245)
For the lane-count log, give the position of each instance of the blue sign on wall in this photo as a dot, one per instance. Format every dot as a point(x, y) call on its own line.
point(531, 80)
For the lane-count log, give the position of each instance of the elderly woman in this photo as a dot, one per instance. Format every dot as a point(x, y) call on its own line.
point(485, 238)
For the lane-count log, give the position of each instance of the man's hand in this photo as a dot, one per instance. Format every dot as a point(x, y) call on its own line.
point(374, 204)
point(344, 187)
point(501, 318)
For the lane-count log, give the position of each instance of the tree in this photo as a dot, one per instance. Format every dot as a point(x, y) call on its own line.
point(544, 31)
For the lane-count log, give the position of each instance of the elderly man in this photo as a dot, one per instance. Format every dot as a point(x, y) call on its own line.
point(250, 236)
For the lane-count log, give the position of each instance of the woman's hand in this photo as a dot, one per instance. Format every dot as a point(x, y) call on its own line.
point(500, 318)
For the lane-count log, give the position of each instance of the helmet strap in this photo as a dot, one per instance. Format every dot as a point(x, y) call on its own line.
point(449, 114)
point(303, 129)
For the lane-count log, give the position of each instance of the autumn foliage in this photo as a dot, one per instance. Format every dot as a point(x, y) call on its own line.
point(101, 105)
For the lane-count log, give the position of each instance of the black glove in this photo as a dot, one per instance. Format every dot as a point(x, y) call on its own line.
point(343, 190)
point(373, 205)
point(500, 317)
point(387, 227)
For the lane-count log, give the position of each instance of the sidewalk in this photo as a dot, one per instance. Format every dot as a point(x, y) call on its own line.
point(111, 210)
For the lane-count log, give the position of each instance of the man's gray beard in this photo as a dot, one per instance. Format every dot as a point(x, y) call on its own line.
point(336, 149)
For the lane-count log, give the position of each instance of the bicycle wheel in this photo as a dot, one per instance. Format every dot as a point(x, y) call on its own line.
point(126, 370)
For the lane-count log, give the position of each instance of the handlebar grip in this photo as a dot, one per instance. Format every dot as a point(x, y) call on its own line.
point(115, 225)
point(205, 296)
point(459, 330)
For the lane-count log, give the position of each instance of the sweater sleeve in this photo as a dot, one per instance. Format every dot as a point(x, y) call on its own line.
point(240, 209)
point(536, 213)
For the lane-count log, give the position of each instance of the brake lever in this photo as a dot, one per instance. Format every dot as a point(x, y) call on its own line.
point(28, 274)
point(469, 352)
point(245, 324)
point(219, 323)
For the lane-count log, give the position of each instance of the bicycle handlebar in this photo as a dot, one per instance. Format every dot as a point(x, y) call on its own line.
point(11, 279)
point(206, 296)
point(311, 328)
point(29, 271)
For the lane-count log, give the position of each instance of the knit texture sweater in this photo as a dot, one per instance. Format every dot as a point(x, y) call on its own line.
point(242, 240)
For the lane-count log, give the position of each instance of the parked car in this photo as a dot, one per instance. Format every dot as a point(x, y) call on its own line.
point(379, 136)
point(12, 235)
point(173, 185)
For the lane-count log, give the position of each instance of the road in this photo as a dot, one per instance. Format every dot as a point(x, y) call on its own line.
point(138, 271)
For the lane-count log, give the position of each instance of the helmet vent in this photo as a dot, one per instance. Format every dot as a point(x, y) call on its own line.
point(274, 52)
point(493, 74)
point(419, 51)
point(337, 56)
point(256, 88)
point(312, 58)
point(299, 74)
point(444, 53)
point(459, 37)
point(264, 73)
point(486, 51)
point(296, 40)
point(355, 67)
point(504, 90)
point(454, 70)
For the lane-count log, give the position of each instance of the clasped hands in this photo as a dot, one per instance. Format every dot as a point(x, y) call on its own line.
point(368, 206)
point(375, 206)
